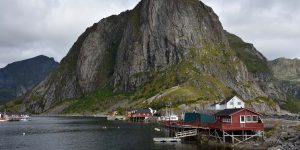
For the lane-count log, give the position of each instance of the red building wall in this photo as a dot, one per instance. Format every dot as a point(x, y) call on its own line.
point(235, 122)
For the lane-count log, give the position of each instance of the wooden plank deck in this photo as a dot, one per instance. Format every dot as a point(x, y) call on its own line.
point(166, 139)
point(187, 133)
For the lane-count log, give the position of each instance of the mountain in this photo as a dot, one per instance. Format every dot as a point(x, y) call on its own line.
point(286, 69)
point(161, 51)
point(287, 75)
point(19, 77)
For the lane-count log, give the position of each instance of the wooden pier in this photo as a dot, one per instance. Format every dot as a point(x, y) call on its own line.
point(166, 139)
point(187, 133)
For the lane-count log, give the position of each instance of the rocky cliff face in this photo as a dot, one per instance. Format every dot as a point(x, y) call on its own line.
point(286, 69)
point(19, 77)
point(287, 74)
point(157, 45)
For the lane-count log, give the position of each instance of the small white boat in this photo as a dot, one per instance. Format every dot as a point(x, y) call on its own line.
point(24, 119)
point(3, 120)
point(157, 129)
point(168, 118)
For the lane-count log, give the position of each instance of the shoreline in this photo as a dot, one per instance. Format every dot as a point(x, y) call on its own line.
point(73, 115)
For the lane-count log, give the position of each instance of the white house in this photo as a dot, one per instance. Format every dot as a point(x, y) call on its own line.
point(228, 103)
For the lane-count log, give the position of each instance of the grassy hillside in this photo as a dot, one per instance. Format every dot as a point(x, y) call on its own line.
point(254, 60)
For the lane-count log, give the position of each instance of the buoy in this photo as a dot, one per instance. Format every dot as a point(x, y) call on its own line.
point(23, 133)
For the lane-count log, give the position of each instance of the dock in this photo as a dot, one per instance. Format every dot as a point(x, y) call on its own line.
point(187, 133)
point(166, 139)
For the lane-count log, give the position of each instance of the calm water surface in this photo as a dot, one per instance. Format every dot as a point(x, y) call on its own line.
point(75, 133)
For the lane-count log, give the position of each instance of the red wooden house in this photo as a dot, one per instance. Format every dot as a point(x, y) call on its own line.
point(238, 119)
point(140, 114)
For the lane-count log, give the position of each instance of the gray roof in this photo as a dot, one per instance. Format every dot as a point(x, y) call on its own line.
point(207, 112)
point(226, 100)
point(228, 112)
point(223, 102)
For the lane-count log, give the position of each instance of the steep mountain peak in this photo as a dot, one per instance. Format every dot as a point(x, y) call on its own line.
point(157, 45)
point(18, 77)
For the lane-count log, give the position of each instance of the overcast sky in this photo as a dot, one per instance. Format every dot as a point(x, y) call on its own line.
point(33, 27)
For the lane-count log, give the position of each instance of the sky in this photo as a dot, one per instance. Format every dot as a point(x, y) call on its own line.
point(50, 27)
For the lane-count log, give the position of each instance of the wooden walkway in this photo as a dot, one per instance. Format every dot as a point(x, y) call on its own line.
point(211, 130)
point(187, 133)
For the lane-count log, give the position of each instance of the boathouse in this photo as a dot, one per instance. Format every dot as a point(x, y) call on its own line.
point(228, 103)
point(140, 114)
point(238, 119)
point(198, 118)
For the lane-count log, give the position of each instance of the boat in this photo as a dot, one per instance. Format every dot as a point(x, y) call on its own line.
point(3, 120)
point(157, 129)
point(24, 119)
point(169, 115)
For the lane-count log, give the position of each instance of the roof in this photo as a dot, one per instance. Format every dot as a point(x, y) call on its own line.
point(226, 100)
point(214, 104)
point(229, 112)
point(207, 112)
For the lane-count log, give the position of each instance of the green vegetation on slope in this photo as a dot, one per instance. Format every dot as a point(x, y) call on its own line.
point(97, 101)
point(195, 86)
point(268, 101)
point(292, 104)
point(248, 54)
point(12, 106)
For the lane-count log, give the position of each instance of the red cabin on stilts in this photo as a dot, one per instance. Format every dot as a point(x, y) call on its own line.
point(238, 119)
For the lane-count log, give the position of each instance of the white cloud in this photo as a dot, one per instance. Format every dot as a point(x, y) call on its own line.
point(50, 27)
point(271, 25)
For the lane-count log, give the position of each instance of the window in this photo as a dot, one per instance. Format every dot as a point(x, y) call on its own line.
point(239, 103)
point(231, 103)
point(249, 118)
point(242, 119)
point(226, 120)
point(255, 118)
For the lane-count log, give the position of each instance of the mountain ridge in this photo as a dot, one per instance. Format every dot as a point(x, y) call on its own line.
point(156, 46)
point(18, 77)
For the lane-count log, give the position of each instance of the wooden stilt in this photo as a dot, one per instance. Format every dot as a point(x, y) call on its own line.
point(232, 138)
point(223, 137)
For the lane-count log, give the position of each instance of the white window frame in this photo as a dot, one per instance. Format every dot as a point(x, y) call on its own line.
point(241, 119)
point(251, 119)
point(226, 120)
point(256, 118)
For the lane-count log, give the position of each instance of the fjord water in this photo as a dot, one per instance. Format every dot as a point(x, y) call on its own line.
point(83, 133)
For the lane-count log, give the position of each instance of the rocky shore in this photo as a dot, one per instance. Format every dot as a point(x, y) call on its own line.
point(286, 139)
point(280, 134)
